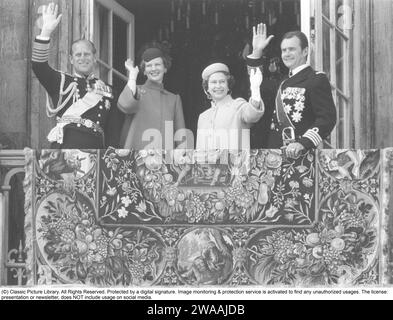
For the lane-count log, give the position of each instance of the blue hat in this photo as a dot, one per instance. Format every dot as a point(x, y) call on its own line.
point(213, 68)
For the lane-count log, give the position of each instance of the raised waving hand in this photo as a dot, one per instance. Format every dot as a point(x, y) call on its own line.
point(50, 19)
point(260, 40)
point(133, 71)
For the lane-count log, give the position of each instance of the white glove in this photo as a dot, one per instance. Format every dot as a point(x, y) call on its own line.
point(256, 79)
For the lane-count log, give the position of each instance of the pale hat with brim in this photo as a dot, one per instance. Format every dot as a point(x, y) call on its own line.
point(213, 68)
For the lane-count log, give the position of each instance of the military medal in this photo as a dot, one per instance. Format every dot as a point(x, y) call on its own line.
point(107, 104)
point(102, 89)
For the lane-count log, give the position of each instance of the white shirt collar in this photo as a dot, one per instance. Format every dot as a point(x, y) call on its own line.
point(299, 68)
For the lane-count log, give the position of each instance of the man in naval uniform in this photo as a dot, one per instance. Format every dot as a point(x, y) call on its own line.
point(305, 112)
point(83, 105)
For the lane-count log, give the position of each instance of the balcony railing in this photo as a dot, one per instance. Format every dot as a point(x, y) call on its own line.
point(12, 240)
point(12, 257)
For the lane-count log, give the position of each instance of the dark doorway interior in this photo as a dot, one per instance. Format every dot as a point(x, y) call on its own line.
point(199, 32)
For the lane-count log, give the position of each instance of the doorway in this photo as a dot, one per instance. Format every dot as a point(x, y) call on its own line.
point(199, 32)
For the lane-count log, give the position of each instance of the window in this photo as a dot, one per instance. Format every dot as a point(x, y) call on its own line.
point(328, 23)
point(112, 30)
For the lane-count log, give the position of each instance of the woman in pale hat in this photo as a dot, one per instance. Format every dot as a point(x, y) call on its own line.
point(154, 114)
point(226, 124)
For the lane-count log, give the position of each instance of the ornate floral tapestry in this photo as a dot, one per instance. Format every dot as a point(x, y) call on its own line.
point(148, 218)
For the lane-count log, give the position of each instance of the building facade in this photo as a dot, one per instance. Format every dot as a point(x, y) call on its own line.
point(351, 41)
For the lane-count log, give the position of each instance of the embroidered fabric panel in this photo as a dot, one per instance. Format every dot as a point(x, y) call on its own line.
point(260, 188)
point(122, 217)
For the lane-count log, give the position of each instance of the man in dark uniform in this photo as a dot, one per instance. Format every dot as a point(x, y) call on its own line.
point(86, 115)
point(305, 112)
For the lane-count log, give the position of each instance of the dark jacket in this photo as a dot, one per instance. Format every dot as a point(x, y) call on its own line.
point(104, 114)
point(308, 106)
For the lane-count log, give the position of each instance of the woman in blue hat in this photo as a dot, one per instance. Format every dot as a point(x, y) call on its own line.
point(226, 124)
point(154, 115)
